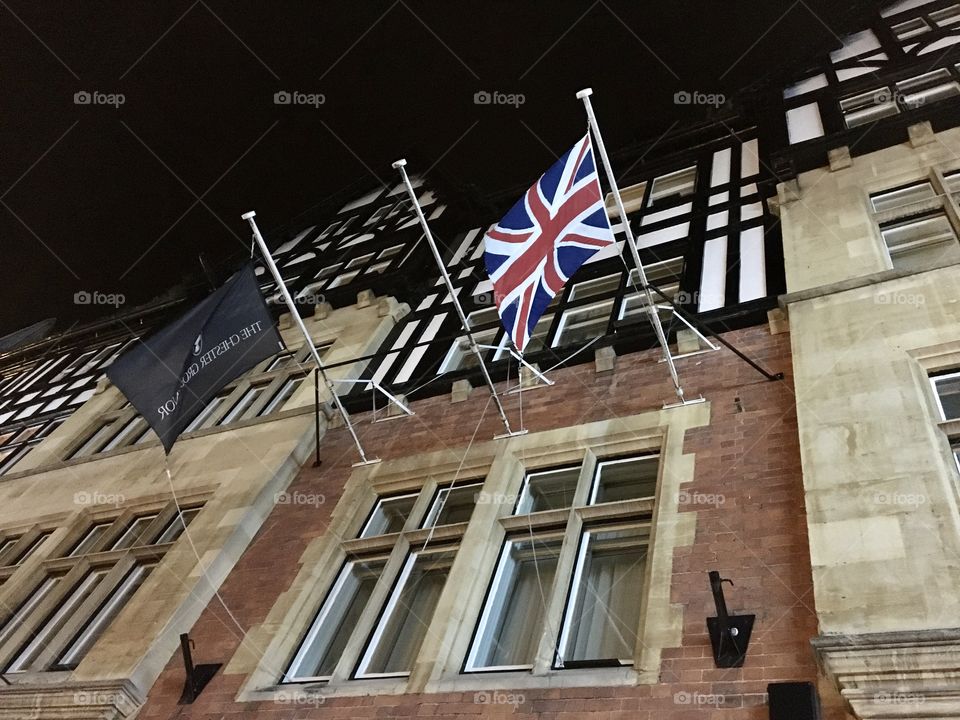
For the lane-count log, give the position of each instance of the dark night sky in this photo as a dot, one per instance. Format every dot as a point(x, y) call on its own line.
point(102, 198)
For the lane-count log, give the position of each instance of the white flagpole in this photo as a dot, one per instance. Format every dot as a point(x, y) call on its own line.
point(401, 166)
point(268, 259)
point(631, 241)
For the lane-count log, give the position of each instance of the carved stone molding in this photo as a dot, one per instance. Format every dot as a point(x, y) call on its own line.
point(85, 700)
point(910, 674)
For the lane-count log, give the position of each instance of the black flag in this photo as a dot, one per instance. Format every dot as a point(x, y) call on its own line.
point(170, 377)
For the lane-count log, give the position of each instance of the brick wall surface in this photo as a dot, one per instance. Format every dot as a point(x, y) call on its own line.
point(749, 454)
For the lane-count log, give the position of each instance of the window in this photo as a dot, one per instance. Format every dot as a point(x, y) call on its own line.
point(281, 362)
point(582, 324)
point(93, 443)
point(900, 197)
point(600, 620)
point(602, 615)
point(285, 392)
point(359, 260)
point(947, 16)
point(946, 387)
point(461, 357)
point(911, 28)
point(868, 107)
point(632, 198)
point(607, 285)
point(921, 243)
point(927, 88)
point(389, 515)
point(512, 621)
point(208, 411)
point(664, 274)
point(452, 505)
point(135, 428)
point(136, 533)
point(58, 622)
point(548, 490)
point(398, 636)
point(91, 539)
point(239, 410)
point(331, 629)
point(343, 279)
point(677, 184)
point(378, 215)
point(328, 271)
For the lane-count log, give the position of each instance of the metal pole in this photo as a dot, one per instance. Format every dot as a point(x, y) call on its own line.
point(651, 307)
point(401, 166)
point(316, 412)
point(268, 259)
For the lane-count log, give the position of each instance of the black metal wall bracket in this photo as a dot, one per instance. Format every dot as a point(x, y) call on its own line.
point(197, 676)
point(729, 634)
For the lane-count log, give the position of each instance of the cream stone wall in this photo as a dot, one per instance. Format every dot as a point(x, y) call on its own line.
point(881, 482)
point(237, 470)
point(828, 233)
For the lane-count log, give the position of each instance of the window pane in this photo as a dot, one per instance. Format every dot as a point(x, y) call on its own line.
point(599, 286)
point(88, 541)
point(453, 505)
point(175, 527)
point(404, 625)
point(246, 400)
point(947, 16)
point(929, 87)
point(103, 616)
point(583, 324)
point(134, 428)
point(512, 619)
point(868, 107)
point(56, 620)
point(389, 515)
point(910, 29)
point(921, 244)
point(282, 395)
point(135, 534)
point(205, 414)
point(27, 607)
point(338, 616)
point(678, 183)
point(550, 490)
point(626, 479)
point(93, 442)
point(461, 357)
point(948, 394)
point(890, 199)
point(603, 611)
point(33, 547)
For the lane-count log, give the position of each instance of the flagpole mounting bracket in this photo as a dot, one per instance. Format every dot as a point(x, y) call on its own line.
point(515, 433)
point(696, 401)
point(371, 461)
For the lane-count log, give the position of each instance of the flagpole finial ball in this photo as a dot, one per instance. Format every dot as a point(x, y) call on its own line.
point(399, 164)
point(586, 92)
point(248, 215)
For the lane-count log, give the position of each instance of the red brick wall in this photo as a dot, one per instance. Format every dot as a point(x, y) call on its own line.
point(749, 454)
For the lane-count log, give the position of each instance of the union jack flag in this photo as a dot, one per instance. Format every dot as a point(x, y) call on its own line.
point(552, 230)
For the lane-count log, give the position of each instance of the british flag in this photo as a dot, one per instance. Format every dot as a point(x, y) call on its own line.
point(552, 230)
